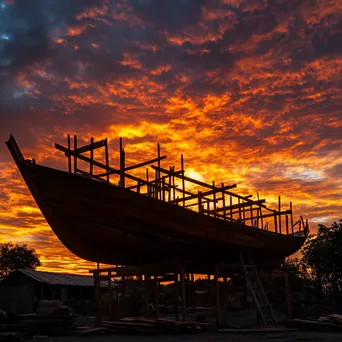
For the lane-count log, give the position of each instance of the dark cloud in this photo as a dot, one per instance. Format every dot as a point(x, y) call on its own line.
point(172, 15)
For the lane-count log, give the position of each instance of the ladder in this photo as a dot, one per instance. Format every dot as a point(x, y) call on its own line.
point(254, 284)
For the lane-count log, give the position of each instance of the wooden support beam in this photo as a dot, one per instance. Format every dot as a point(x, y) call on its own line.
point(183, 180)
point(147, 295)
point(176, 297)
point(214, 196)
point(75, 155)
point(128, 168)
point(199, 201)
point(208, 193)
point(107, 159)
point(183, 295)
point(217, 287)
point(291, 217)
point(195, 181)
point(279, 209)
point(110, 296)
point(100, 165)
point(261, 217)
point(288, 295)
point(139, 186)
point(156, 296)
point(158, 173)
point(302, 221)
point(69, 156)
point(122, 165)
point(91, 165)
point(173, 183)
point(223, 202)
point(287, 224)
point(94, 146)
point(241, 205)
point(231, 206)
point(275, 222)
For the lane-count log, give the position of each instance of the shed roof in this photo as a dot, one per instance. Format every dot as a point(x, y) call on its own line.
point(63, 278)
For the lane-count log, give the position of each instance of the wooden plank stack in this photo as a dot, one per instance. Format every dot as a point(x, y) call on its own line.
point(328, 322)
point(137, 325)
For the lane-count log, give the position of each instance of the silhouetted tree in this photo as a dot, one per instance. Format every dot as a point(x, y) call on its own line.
point(322, 255)
point(13, 257)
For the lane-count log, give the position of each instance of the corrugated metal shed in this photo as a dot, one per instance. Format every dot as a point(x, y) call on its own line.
point(63, 278)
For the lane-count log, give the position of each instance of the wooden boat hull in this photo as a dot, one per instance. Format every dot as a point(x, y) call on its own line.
point(101, 222)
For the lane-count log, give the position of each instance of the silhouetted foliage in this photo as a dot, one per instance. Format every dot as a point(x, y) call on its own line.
point(13, 257)
point(297, 274)
point(322, 255)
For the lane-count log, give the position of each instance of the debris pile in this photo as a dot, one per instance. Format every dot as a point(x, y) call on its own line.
point(328, 322)
point(51, 318)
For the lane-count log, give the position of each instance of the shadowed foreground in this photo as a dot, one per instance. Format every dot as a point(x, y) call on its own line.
point(211, 337)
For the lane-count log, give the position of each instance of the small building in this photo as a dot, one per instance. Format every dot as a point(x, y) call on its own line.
point(21, 291)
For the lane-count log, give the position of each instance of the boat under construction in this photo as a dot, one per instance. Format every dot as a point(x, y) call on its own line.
point(124, 216)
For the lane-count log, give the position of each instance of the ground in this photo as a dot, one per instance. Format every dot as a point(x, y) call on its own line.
point(205, 337)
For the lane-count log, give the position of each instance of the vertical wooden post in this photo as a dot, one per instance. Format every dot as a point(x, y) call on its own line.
point(288, 295)
point(177, 297)
point(252, 219)
point(169, 187)
point(231, 209)
point(110, 296)
point(107, 160)
point(91, 156)
point(158, 175)
point(217, 285)
point(260, 208)
point(183, 181)
point(287, 224)
point(147, 184)
point(214, 197)
point(200, 201)
point(156, 296)
point(75, 155)
point(279, 210)
point(275, 223)
point(163, 190)
point(183, 295)
point(303, 224)
point(173, 183)
point(147, 296)
point(122, 165)
point(306, 226)
point(291, 217)
point(192, 278)
point(239, 209)
point(96, 296)
point(224, 203)
point(69, 155)
point(138, 186)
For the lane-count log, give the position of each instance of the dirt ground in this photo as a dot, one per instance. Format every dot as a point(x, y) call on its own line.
point(206, 337)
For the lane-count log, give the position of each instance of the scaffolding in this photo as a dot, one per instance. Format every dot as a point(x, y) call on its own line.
point(173, 186)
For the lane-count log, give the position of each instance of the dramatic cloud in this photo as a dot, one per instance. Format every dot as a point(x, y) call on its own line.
point(249, 91)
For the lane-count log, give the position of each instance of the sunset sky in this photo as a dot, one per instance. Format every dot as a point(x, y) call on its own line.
point(250, 91)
